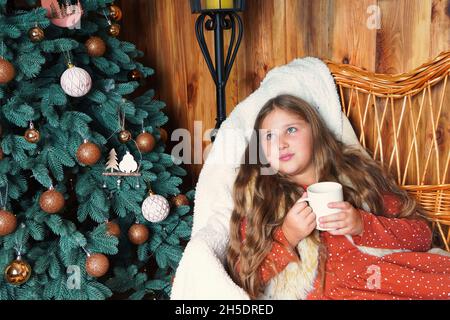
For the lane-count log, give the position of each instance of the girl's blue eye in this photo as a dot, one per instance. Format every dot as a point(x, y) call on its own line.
point(290, 131)
point(268, 136)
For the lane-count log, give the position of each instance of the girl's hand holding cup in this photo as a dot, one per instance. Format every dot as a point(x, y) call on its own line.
point(299, 222)
point(348, 221)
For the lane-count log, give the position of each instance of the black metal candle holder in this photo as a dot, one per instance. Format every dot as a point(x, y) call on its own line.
point(217, 16)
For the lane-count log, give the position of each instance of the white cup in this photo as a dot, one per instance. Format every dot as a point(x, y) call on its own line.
point(320, 195)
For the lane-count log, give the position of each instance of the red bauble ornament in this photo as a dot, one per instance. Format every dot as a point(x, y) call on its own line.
point(163, 134)
point(145, 142)
point(51, 201)
point(113, 229)
point(8, 223)
point(36, 34)
point(97, 264)
point(32, 135)
point(17, 272)
point(124, 136)
point(115, 12)
point(114, 30)
point(7, 71)
point(88, 153)
point(138, 233)
point(95, 46)
point(180, 200)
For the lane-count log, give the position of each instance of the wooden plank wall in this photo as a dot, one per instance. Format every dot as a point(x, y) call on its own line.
point(410, 33)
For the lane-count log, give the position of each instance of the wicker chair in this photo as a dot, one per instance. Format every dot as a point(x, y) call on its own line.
point(404, 120)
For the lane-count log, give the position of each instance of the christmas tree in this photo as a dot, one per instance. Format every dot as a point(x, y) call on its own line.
point(74, 225)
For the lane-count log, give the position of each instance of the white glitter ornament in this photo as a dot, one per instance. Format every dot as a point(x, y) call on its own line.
point(76, 82)
point(155, 208)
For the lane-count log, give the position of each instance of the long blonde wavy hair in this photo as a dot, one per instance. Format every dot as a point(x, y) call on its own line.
point(261, 207)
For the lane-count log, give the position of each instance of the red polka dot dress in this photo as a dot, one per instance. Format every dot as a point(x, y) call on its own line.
point(354, 274)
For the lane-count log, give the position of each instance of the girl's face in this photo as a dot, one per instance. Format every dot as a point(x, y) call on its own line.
point(287, 143)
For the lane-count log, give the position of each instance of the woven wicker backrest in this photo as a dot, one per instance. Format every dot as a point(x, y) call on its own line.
point(404, 121)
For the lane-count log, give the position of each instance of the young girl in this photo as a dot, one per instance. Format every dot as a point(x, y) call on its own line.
point(377, 248)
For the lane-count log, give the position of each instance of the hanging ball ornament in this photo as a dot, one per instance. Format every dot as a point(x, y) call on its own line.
point(51, 201)
point(115, 12)
point(63, 13)
point(155, 208)
point(135, 75)
point(88, 153)
point(76, 82)
point(113, 229)
point(7, 71)
point(32, 135)
point(18, 272)
point(145, 142)
point(114, 29)
point(138, 233)
point(124, 136)
point(163, 134)
point(36, 34)
point(97, 264)
point(180, 200)
point(8, 223)
point(95, 46)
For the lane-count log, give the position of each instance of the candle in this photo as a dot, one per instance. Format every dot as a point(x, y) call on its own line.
point(219, 4)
